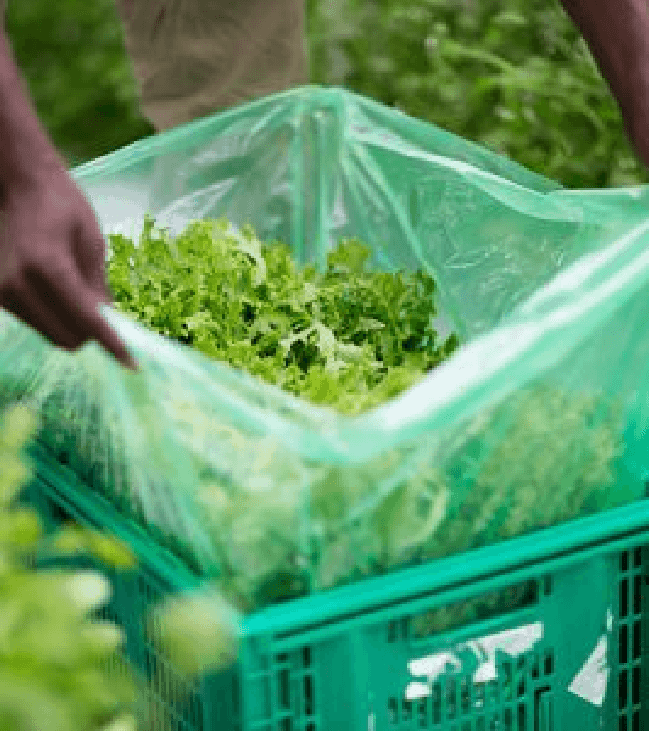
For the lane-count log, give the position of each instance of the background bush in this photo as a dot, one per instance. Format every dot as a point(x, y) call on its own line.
point(511, 74)
point(72, 55)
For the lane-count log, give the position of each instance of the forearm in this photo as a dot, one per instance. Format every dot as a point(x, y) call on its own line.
point(24, 145)
point(617, 33)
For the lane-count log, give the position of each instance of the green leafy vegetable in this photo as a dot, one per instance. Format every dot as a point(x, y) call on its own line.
point(348, 338)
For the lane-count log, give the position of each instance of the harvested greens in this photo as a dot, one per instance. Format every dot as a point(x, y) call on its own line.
point(349, 338)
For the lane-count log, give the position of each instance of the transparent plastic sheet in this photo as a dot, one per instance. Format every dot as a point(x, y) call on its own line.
point(541, 416)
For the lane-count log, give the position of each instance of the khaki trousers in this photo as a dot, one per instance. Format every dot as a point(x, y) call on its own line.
point(193, 58)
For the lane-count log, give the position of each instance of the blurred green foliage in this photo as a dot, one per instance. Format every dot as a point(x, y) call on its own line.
point(52, 654)
point(514, 75)
point(72, 55)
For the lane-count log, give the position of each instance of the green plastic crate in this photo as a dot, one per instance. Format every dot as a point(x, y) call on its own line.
point(308, 167)
point(399, 652)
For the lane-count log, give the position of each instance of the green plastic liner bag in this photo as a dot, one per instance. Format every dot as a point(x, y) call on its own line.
point(540, 416)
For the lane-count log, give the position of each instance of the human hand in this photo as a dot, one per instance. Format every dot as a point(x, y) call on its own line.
point(52, 265)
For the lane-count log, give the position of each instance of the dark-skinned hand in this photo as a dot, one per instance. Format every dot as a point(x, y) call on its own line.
point(52, 263)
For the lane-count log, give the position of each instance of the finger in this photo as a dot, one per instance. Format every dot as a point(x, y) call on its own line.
point(78, 304)
point(110, 340)
point(27, 305)
point(96, 328)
